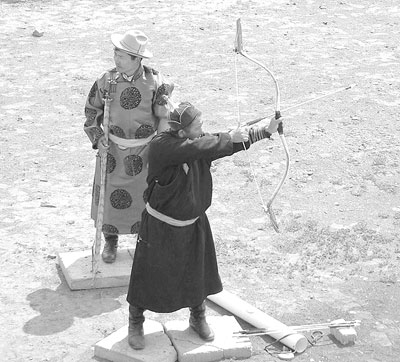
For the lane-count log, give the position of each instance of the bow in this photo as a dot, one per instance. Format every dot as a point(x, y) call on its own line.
point(239, 50)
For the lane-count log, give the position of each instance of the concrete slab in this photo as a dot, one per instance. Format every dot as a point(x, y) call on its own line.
point(158, 348)
point(191, 348)
point(77, 269)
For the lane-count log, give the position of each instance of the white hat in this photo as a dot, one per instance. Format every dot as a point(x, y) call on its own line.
point(132, 42)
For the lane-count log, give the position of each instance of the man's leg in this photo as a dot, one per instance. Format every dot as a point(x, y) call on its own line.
point(198, 322)
point(135, 329)
point(109, 253)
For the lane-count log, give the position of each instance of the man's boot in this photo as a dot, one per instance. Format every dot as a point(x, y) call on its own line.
point(135, 329)
point(109, 253)
point(198, 322)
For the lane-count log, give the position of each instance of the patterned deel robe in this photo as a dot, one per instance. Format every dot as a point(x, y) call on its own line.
point(135, 109)
point(176, 267)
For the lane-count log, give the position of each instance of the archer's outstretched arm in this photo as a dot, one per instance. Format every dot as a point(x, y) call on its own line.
point(259, 133)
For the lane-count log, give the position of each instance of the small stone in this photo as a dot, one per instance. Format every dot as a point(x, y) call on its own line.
point(335, 227)
point(286, 356)
point(357, 191)
point(345, 336)
point(45, 204)
point(37, 34)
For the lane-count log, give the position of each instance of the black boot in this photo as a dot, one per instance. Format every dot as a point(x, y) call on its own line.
point(198, 322)
point(109, 253)
point(135, 329)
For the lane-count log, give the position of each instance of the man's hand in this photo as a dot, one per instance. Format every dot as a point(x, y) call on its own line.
point(273, 125)
point(102, 145)
point(239, 135)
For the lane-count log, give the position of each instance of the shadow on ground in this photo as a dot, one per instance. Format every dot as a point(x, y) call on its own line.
point(59, 307)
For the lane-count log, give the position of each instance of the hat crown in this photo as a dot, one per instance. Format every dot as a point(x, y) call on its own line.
point(183, 115)
point(134, 39)
point(133, 42)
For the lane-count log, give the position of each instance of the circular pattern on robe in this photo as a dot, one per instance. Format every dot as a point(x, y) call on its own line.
point(133, 165)
point(96, 133)
point(90, 116)
point(96, 194)
point(109, 229)
point(144, 131)
point(130, 98)
point(111, 163)
point(120, 199)
point(135, 228)
point(93, 90)
point(117, 131)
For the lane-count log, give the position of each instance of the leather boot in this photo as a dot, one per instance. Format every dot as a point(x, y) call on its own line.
point(135, 329)
point(109, 253)
point(198, 322)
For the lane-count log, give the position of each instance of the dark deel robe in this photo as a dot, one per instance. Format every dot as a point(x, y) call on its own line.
point(176, 267)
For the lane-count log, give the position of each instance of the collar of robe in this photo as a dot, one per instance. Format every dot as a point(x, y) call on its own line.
point(133, 77)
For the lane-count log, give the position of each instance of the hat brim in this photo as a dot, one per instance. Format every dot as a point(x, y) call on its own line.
point(116, 40)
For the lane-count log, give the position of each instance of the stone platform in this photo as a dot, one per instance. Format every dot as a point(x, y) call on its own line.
point(115, 347)
point(178, 343)
point(77, 269)
point(191, 348)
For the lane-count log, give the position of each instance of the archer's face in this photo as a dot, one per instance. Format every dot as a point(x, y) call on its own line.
point(124, 62)
point(194, 130)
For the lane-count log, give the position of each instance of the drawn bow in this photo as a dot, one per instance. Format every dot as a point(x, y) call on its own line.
point(239, 50)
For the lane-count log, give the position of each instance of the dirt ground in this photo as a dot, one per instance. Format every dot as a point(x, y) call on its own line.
point(338, 252)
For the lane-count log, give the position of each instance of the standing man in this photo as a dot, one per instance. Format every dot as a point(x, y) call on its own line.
point(138, 110)
point(175, 263)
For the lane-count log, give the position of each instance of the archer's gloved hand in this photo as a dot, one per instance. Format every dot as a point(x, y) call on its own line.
point(273, 125)
point(258, 133)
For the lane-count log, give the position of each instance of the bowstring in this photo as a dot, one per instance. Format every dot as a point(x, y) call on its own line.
point(238, 115)
point(252, 171)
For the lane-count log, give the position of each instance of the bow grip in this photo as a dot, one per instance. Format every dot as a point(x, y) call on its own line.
point(280, 126)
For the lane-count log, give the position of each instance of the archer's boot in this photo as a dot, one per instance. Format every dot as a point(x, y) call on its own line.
point(135, 329)
point(198, 322)
point(109, 253)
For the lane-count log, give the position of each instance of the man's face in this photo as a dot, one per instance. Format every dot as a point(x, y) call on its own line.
point(125, 63)
point(194, 130)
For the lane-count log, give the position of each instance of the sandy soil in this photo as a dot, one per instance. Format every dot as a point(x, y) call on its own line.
point(338, 252)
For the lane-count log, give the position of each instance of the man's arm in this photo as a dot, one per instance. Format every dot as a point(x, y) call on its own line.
point(169, 149)
point(94, 109)
point(161, 104)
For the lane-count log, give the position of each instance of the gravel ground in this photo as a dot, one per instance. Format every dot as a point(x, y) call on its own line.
point(337, 254)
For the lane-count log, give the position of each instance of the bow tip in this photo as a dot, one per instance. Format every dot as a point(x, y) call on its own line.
point(238, 47)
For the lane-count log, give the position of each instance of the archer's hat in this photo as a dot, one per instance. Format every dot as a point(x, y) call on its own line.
point(183, 116)
point(132, 42)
